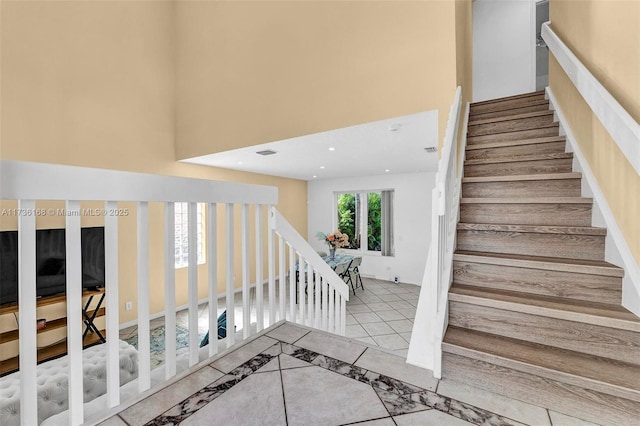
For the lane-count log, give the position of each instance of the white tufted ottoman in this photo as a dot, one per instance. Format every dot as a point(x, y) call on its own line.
point(53, 382)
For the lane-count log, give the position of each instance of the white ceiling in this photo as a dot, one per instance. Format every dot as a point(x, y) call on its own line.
point(395, 145)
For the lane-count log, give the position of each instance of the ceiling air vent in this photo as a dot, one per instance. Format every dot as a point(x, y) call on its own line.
point(431, 149)
point(266, 152)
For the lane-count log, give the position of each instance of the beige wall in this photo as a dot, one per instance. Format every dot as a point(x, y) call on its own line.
point(92, 84)
point(464, 47)
point(322, 65)
point(605, 36)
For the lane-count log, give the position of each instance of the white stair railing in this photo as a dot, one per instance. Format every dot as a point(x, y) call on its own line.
point(431, 315)
point(322, 294)
point(321, 305)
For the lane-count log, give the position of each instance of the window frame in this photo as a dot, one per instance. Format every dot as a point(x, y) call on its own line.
point(364, 222)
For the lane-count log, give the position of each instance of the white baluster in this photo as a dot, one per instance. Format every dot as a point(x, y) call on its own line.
point(246, 307)
point(281, 279)
point(292, 284)
point(231, 323)
point(73, 268)
point(259, 270)
point(144, 345)
point(325, 302)
point(112, 303)
point(302, 274)
point(192, 279)
point(27, 319)
point(343, 316)
point(332, 317)
point(309, 287)
point(272, 274)
point(318, 299)
point(212, 265)
point(169, 290)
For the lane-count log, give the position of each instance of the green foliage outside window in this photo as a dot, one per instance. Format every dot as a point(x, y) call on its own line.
point(347, 218)
point(374, 222)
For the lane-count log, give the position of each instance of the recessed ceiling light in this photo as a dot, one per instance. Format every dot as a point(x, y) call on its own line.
point(239, 162)
point(395, 127)
point(314, 176)
point(387, 170)
point(322, 167)
point(266, 152)
point(332, 149)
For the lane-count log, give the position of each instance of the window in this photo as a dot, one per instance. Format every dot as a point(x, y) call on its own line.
point(182, 234)
point(367, 214)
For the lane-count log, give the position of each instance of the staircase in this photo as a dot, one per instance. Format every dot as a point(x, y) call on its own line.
point(534, 311)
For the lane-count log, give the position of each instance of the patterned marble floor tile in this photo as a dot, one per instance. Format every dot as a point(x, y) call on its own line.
point(287, 361)
point(399, 404)
point(479, 416)
point(378, 306)
point(273, 365)
point(156, 404)
point(396, 367)
point(390, 384)
point(257, 401)
point(243, 354)
point(334, 347)
point(288, 333)
point(341, 368)
point(508, 407)
point(429, 418)
point(315, 396)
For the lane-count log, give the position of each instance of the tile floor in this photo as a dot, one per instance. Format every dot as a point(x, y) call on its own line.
point(292, 375)
point(381, 315)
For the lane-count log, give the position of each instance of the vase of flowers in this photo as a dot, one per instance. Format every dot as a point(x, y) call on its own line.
point(334, 240)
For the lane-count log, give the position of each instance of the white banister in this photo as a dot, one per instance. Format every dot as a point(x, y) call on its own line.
point(431, 319)
point(73, 271)
point(27, 318)
point(323, 305)
point(624, 130)
point(312, 272)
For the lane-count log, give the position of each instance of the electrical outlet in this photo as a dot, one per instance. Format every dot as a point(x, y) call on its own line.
point(395, 279)
point(128, 306)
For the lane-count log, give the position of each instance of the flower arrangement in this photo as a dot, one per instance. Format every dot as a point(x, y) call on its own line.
point(334, 240)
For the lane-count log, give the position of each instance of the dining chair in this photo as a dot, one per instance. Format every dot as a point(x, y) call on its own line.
point(352, 274)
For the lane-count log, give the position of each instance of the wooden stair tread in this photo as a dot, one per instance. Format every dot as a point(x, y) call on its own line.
point(539, 229)
point(500, 110)
point(598, 373)
point(510, 178)
point(593, 267)
point(595, 313)
point(509, 98)
point(520, 116)
point(516, 142)
point(529, 200)
point(521, 158)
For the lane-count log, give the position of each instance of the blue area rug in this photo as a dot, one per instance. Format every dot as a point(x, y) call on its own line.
point(157, 343)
